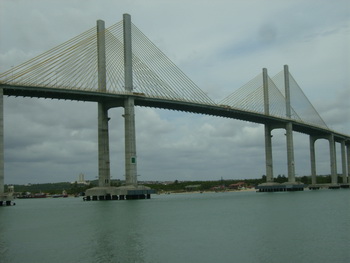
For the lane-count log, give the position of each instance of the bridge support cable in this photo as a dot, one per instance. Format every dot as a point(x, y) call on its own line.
point(115, 58)
point(60, 67)
point(103, 133)
point(251, 97)
point(155, 73)
point(73, 65)
point(277, 101)
point(247, 97)
point(301, 108)
point(302, 105)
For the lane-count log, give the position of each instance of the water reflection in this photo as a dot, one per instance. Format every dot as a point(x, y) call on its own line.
point(3, 240)
point(3, 247)
point(117, 232)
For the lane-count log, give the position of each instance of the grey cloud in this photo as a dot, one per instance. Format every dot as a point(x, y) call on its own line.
point(221, 47)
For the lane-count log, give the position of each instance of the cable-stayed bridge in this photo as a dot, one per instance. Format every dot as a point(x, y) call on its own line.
point(119, 66)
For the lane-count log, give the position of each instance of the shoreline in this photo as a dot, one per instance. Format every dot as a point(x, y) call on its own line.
point(206, 192)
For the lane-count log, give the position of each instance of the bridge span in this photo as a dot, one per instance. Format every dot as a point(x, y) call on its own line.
point(106, 74)
point(114, 100)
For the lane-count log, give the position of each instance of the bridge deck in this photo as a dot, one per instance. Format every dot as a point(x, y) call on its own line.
point(117, 100)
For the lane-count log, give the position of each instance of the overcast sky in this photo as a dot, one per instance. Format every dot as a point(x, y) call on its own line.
point(220, 45)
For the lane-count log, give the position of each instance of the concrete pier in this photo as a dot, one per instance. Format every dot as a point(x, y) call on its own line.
point(131, 190)
point(104, 175)
point(348, 160)
point(118, 193)
point(326, 186)
point(268, 129)
point(343, 161)
point(129, 109)
point(5, 198)
point(103, 136)
point(271, 186)
point(312, 140)
point(289, 129)
point(276, 187)
point(333, 158)
point(2, 186)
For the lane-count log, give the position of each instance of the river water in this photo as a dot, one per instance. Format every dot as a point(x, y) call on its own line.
point(309, 226)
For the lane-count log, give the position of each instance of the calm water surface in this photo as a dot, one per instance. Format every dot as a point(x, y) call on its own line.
point(310, 226)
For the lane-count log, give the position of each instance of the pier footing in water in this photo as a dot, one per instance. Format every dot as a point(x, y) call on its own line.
point(276, 187)
point(328, 186)
point(118, 193)
point(6, 200)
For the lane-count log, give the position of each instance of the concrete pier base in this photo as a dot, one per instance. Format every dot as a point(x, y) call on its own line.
point(334, 187)
point(6, 199)
point(118, 193)
point(314, 187)
point(328, 186)
point(276, 187)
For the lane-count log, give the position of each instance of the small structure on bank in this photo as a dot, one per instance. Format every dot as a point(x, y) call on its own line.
point(6, 198)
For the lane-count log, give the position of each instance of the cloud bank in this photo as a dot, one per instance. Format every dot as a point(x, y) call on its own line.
point(220, 45)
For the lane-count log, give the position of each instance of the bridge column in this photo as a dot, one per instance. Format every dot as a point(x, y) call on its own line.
point(333, 159)
point(103, 136)
point(268, 154)
point(290, 153)
point(131, 190)
point(268, 129)
point(289, 129)
point(130, 143)
point(5, 198)
point(348, 160)
point(343, 161)
point(2, 176)
point(129, 111)
point(103, 147)
point(313, 159)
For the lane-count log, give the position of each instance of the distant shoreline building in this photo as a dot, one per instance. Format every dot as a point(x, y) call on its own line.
point(81, 180)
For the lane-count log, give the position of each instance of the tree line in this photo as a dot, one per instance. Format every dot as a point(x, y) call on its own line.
point(75, 188)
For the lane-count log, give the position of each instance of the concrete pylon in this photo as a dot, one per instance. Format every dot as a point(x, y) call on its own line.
point(2, 186)
point(5, 198)
point(343, 161)
point(268, 129)
point(333, 158)
point(129, 109)
point(313, 160)
point(348, 161)
point(103, 135)
point(270, 185)
point(131, 190)
point(289, 129)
